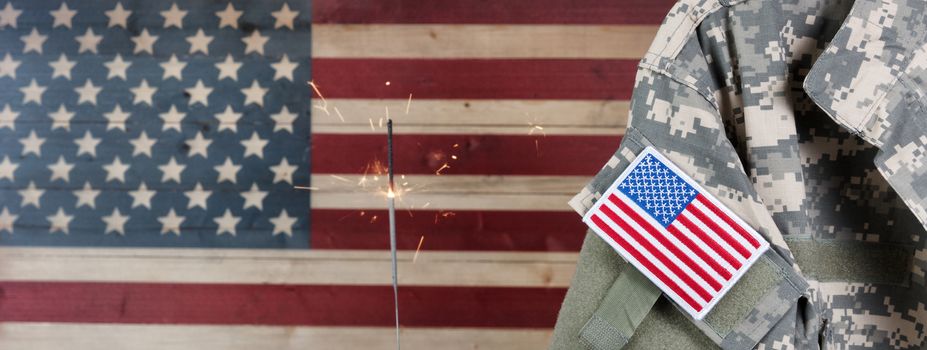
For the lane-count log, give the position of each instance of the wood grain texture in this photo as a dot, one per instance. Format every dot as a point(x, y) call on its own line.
point(544, 79)
point(339, 267)
point(492, 12)
point(474, 117)
point(94, 336)
point(481, 41)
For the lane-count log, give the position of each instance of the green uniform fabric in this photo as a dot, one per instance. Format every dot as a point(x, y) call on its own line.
point(807, 119)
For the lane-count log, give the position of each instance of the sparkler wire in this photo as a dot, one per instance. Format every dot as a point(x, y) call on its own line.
point(392, 222)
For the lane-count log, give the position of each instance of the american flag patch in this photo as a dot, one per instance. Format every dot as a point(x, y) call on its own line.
point(675, 233)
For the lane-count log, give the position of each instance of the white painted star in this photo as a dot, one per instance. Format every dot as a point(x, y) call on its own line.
point(284, 68)
point(171, 223)
point(283, 171)
point(199, 42)
point(87, 196)
point(115, 222)
point(32, 144)
point(143, 93)
point(144, 42)
point(9, 15)
point(254, 94)
point(142, 145)
point(228, 119)
point(88, 41)
point(87, 144)
point(199, 145)
point(60, 221)
point(7, 220)
point(61, 118)
point(228, 17)
point(118, 16)
point(173, 68)
point(173, 17)
point(254, 197)
point(199, 93)
point(62, 67)
point(8, 66)
point(117, 68)
point(88, 93)
point(254, 146)
point(116, 119)
point(255, 42)
point(33, 41)
point(171, 171)
point(141, 197)
point(283, 224)
point(197, 197)
point(116, 170)
point(32, 195)
point(33, 92)
point(61, 170)
point(226, 223)
point(228, 68)
point(284, 17)
point(284, 120)
point(7, 168)
point(8, 117)
point(63, 16)
point(228, 171)
point(172, 119)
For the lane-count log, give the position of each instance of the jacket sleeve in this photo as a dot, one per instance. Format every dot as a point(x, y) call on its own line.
point(674, 109)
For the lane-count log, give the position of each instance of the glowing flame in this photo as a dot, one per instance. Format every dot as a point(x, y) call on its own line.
point(390, 194)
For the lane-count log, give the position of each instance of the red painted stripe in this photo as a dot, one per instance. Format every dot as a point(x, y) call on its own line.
point(321, 305)
point(491, 12)
point(448, 230)
point(595, 79)
point(675, 269)
point(476, 154)
point(707, 240)
point(727, 219)
point(698, 251)
point(644, 261)
point(653, 231)
point(726, 236)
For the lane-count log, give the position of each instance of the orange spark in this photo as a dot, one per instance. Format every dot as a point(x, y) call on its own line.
point(387, 83)
point(409, 104)
point(310, 188)
point(417, 249)
point(324, 105)
point(444, 166)
point(339, 114)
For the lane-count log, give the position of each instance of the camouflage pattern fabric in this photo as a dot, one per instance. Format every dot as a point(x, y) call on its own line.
point(808, 118)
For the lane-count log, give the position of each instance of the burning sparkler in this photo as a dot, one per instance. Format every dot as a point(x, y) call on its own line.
point(391, 197)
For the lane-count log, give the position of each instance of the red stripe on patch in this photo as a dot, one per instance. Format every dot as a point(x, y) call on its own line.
point(727, 219)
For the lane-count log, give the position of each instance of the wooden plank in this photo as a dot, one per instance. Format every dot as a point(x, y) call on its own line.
point(475, 154)
point(274, 304)
point(346, 267)
point(440, 230)
point(543, 79)
point(491, 12)
point(478, 117)
point(480, 41)
point(90, 336)
point(450, 192)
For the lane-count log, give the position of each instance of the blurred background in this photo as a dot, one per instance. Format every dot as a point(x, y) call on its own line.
point(502, 111)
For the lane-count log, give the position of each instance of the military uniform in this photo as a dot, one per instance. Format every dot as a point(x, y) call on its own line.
point(808, 119)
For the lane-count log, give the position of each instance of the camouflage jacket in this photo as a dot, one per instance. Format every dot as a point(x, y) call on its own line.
point(807, 118)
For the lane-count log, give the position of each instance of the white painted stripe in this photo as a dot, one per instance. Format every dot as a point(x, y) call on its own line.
point(686, 270)
point(93, 336)
point(724, 226)
point(350, 267)
point(656, 263)
point(714, 236)
point(675, 242)
point(447, 192)
point(481, 41)
point(456, 116)
point(705, 247)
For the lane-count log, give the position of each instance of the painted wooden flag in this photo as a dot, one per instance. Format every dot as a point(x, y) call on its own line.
point(675, 233)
